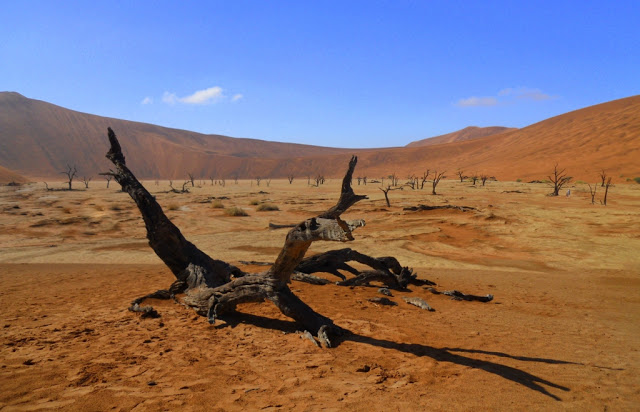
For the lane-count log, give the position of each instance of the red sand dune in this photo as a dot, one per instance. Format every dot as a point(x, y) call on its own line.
point(40, 139)
point(468, 133)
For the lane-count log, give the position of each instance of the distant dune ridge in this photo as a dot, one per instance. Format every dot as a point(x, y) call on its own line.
point(468, 133)
point(38, 140)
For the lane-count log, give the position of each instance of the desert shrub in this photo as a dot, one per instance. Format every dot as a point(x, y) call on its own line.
point(267, 207)
point(637, 180)
point(254, 202)
point(173, 206)
point(216, 204)
point(518, 180)
point(235, 211)
point(580, 182)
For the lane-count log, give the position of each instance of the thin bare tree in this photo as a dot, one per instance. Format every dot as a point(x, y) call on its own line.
point(603, 177)
point(86, 181)
point(436, 179)
point(483, 179)
point(460, 174)
point(191, 179)
point(109, 177)
point(258, 179)
point(290, 178)
point(424, 178)
point(386, 193)
point(71, 173)
point(606, 190)
point(592, 191)
point(558, 179)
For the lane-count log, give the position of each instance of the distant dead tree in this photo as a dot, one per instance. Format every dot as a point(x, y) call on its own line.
point(474, 178)
point(46, 186)
point(319, 180)
point(235, 178)
point(386, 193)
point(483, 178)
point(268, 181)
point(603, 177)
point(212, 180)
point(592, 191)
point(460, 174)
point(359, 179)
point(191, 179)
point(394, 179)
point(86, 181)
point(424, 178)
point(436, 179)
point(222, 182)
point(290, 178)
point(184, 187)
point(606, 190)
point(71, 173)
point(364, 180)
point(558, 179)
point(109, 177)
point(412, 182)
point(258, 179)
point(157, 182)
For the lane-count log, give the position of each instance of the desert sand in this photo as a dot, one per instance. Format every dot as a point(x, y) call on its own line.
point(562, 332)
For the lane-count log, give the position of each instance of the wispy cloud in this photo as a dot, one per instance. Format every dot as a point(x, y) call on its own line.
point(477, 101)
point(147, 100)
point(205, 96)
point(509, 95)
point(236, 97)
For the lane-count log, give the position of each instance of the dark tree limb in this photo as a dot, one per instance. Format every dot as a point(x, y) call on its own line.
point(214, 287)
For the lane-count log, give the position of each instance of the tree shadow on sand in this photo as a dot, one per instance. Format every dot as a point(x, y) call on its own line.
point(438, 354)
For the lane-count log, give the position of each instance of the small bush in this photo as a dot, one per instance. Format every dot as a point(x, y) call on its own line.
point(580, 182)
point(254, 202)
point(637, 180)
point(235, 211)
point(267, 207)
point(216, 204)
point(173, 206)
point(518, 180)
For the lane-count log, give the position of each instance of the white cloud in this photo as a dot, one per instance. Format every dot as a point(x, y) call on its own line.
point(477, 101)
point(147, 100)
point(204, 96)
point(236, 97)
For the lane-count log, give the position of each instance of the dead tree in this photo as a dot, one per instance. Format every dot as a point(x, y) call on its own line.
point(191, 179)
point(386, 193)
point(412, 182)
point(212, 180)
point(436, 179)
point(592, 191)
point(71, 173)
point(483, 179)
point(258, 179)
point(558, 179)
point(108, 178)
point(213, 287)
point(606, 190)
point(364, 180)
point(474, 178)
point(86, 181)
point(268, 182)
point(424, 178)
point(290, 178)
point(460, 174)
point(603, 177)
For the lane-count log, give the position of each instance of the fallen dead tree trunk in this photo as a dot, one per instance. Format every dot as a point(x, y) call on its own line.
point(214, 288)
point(425, 207)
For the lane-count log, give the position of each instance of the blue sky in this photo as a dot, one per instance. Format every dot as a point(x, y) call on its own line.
point(334, 73)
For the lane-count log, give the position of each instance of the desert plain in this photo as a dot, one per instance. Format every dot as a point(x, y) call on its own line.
point(561, 333)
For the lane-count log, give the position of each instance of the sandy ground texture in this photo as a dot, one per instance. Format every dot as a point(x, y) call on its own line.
point(562, 333)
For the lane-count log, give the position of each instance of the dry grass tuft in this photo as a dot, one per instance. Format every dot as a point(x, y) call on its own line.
point(235, 211)
point(267, 207)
